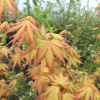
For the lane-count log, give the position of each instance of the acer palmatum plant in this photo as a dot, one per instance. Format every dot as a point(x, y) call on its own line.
point(52, 59)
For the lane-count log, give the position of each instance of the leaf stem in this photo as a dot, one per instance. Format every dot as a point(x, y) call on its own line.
point(67, 72)
point(16, 95)
point(19, 11)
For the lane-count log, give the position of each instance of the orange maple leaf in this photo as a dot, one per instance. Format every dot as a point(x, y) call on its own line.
point(4, 25)
point(74, 61)
point(22, 26)
point(95, 28)
point(58, 37)
point(7, 94)
point(12, 84)
point(4, 51)
point(30, 55)
point(98, 36)
point(2, 82)
point(96, 96)
point(16, 58)
point(97, 72)
point(48, 49)
point(42, 29)
point(43, 34)
point(39, 81)
point(23, 40)
point(86, 92)
point(69, 96)
point(69, 25)
point(3, 99)
point(90, 82)
point(60, 80)
point(44, 69)
point(31, 19)
point(50, 92)
point(9, 3)
point(2, 92)
point(33, 72)
point(3, 67)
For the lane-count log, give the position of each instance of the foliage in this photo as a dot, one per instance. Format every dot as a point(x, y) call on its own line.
point(50, 58)
point(6, 15)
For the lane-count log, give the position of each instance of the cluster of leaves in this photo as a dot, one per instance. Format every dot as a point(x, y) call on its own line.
point(78, 15)
point(52, 59)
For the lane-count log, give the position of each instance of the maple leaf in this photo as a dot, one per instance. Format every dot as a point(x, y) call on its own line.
point(2, 86)
point(71, 87)
point(29, 18)
point(69, 25)
point(4, 51)
point(3, 67)
point(69, 33)
point(30, 55)
point(43, 34)
point(4, 25)
point(39, 81)
point(65, 32)
point(49, 49)
point(52, 98)
point(51, 91)
point(19, 75)
point(65, 54)
point(2, 81)
point(22, 40)
point(6, 73)
point(74, 61)
point(27, 50)
point(69, 96)
point(89, 82)
point(33, 71)
point(98, 36)
point(95, 28)
point(43, 30)
point(97, 60)
point(7, 94)
point(60, 80)
point(2, 92)
point(50, 58)
point(86, 92)
point(98, 85)
point(3, 99)
point(44, 69)
point(43, 63)
point(12, 84)
point(9, 3)
point(16, 58)
point(42, 79)
point(73, 52)
point(25, 24)
point(97, 72)
point(96, 96)
point(58, 37)
point(73, 56)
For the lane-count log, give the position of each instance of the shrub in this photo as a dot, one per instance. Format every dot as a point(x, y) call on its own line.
point(50, 60)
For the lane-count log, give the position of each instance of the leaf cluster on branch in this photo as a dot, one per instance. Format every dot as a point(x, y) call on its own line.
point(51, 58)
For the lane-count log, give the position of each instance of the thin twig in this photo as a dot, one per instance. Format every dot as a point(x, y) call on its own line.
point(16, 95)
point(67, 72)
point(83, 28)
